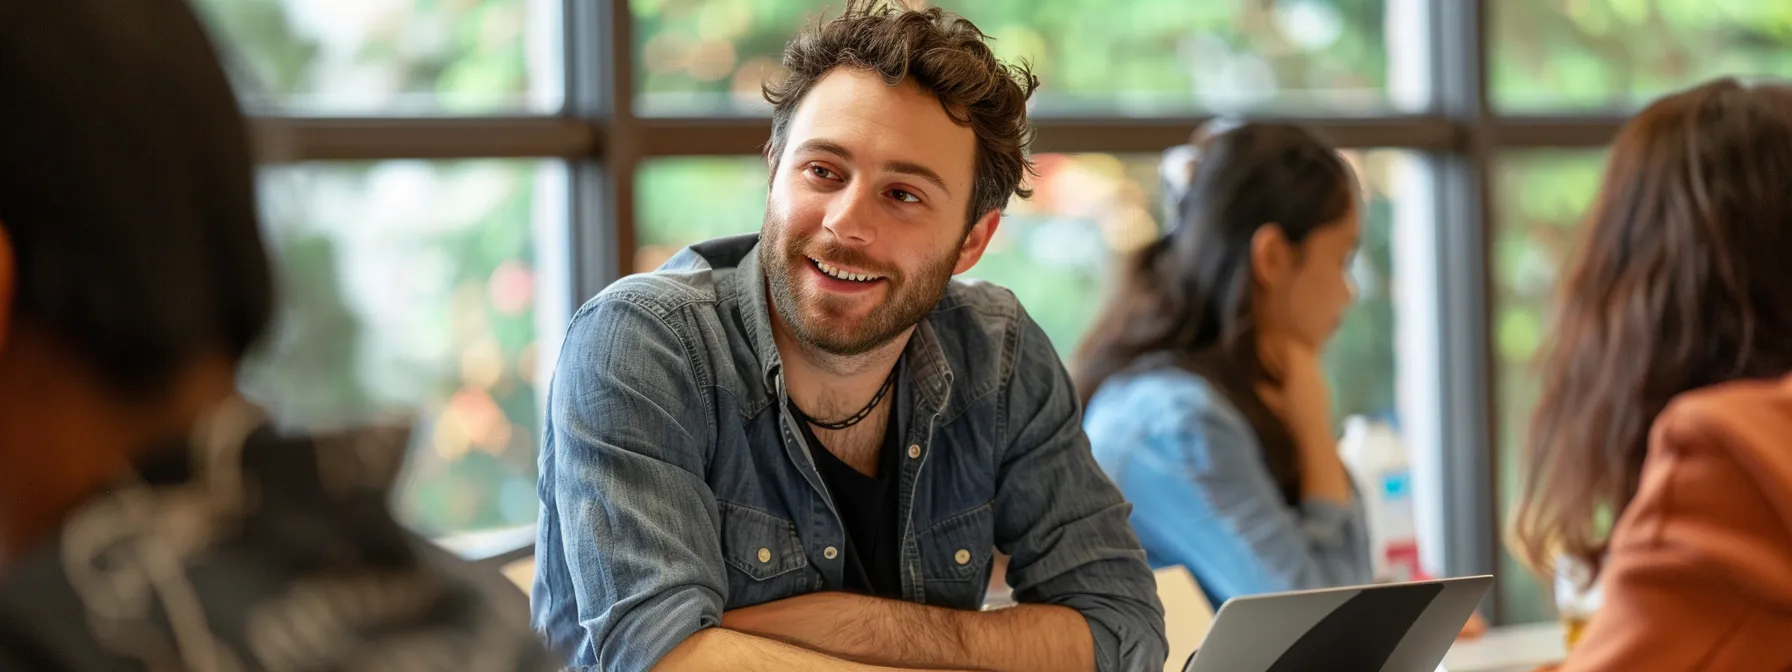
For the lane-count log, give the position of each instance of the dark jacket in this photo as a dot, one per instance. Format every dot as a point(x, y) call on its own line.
point(243, 550)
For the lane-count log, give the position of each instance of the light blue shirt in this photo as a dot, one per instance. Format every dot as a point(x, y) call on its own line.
point(1202, 497)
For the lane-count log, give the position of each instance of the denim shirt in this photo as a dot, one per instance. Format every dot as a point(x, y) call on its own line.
point(1192, 467)
point(675, 484)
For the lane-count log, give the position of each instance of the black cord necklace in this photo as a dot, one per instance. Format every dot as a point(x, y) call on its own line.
point(889, 381)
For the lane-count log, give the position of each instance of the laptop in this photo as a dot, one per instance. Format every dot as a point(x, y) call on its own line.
point(1393, 627)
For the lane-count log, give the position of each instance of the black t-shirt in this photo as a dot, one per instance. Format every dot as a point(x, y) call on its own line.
point(868, 508)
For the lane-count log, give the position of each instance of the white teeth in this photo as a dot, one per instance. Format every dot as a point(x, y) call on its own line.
point(840, 274)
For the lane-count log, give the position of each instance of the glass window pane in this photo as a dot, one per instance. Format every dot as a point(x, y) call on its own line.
point(1058, 250)
point(1544, 194)
point(435, 292)
point(1140, 57)
point(1619, 54)
point(392, 56)
point(734, 189)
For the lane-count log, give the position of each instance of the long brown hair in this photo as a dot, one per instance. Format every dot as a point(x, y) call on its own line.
point(1187, 296)
point(1684, 280)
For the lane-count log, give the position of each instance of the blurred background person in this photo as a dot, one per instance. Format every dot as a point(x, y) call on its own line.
point(150, 518)
point(1680, 299)
point(1205, 398)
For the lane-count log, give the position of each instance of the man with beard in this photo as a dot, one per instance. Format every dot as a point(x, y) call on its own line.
point(803, 448)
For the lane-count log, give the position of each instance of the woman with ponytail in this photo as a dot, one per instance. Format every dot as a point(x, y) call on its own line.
point(1205, 398)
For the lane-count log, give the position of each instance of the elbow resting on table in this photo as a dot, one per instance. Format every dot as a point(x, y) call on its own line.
point(1128, 635)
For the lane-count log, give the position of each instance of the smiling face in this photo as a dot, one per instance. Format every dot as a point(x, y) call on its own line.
point(866, 221)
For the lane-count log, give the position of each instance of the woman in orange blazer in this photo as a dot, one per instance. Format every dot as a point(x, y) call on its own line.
point(1699, 572)
point(1682, 293)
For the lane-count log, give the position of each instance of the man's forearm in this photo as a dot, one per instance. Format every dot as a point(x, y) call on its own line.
point(891, 632)
point(719, 649)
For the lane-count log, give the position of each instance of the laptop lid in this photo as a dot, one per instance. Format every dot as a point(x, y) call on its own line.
point(1395, 627)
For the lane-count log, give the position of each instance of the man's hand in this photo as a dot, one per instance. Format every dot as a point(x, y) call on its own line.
point(903, 634)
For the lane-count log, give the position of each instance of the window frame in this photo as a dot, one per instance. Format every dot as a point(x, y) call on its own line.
point(603, 142)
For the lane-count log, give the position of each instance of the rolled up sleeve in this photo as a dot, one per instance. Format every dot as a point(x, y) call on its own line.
point(639, 553)
point(1064, 523)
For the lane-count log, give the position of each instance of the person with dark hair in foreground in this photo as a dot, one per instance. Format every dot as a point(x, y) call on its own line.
point(803, 448)
point(1659, 467)
point(1206, 400)
point(149, 518)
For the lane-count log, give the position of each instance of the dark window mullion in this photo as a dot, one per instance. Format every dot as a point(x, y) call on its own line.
point(1472, 531)
point(1509, 132)
point(592, 95)
point(746, 135)
point(296, 139)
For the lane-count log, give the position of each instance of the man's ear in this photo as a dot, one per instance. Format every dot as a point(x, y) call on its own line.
point(1271, 255)
point(977, 240)
point(9, 279)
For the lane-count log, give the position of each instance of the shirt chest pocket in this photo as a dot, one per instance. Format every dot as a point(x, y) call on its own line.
point(955, 558)
point(765, 557)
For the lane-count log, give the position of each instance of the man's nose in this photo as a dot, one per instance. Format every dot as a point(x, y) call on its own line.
point(852, 216)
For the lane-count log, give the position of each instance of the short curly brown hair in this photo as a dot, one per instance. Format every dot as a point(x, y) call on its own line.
point(947, 56)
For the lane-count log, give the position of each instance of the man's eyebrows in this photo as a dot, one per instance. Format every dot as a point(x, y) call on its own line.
point(902, 167)
point(918, 170)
